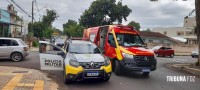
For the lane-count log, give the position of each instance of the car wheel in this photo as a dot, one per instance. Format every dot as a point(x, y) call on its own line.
point(117, 68)
point(16, 56)
point(106, 79)
point(172, 55)
point(146, 73)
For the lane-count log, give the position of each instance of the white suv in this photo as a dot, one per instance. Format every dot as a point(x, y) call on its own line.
point(13, 48)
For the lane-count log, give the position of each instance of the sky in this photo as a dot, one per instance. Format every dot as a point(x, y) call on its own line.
point(163, 13)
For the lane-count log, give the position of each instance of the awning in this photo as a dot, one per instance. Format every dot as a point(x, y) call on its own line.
point(180, 39)
point(10, 24)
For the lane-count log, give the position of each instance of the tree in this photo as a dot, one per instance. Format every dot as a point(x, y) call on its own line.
point(148, 30)
point(135, 24)
point(197, 28)
point(44, 28)
point(49, 17)
point(72, 28)
point(103, 12)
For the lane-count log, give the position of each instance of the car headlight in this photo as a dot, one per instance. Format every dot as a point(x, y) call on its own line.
point(106, 62)
point(127, 55)
point(74, 63)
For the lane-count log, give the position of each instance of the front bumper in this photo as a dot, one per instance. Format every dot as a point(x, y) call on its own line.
point(138, 65)
point(83, 75)
point(79, 74)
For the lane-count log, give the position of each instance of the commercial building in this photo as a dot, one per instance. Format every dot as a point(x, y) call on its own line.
point(4, 23)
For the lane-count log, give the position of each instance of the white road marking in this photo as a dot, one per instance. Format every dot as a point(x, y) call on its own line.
point(175, 60)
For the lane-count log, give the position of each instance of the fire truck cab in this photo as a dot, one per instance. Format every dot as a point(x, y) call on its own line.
point(123, 46)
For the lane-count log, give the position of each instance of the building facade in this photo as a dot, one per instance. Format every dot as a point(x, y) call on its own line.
point(186, 32)
point(157, 38)
point(4, 23)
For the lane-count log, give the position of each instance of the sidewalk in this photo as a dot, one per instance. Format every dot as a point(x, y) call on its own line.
point(182, 54)
point(189, 68)
point(14, 78)
point(34, 49)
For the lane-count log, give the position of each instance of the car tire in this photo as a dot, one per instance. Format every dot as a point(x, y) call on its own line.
point(117, 68)
point(146, 73)
point(172, 55)
point(16, 56)
point(106, 79)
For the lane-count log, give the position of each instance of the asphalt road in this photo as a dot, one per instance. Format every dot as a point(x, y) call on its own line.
point(128, 81)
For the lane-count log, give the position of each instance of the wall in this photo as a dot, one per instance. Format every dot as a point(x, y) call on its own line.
point(172, 31)
point(178, 48)
point(157, 40)
point(189, 22)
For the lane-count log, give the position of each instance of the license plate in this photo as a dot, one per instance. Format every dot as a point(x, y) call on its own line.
point(93, 74)
point(146, 70)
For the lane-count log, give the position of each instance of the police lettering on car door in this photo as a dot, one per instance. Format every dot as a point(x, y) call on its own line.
point(50, 57)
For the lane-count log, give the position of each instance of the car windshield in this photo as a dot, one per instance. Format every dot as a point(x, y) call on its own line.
point(83, 48)
point(156, 47)
point(129, 40)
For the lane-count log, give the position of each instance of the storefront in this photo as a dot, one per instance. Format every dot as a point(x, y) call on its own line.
point(4, 23)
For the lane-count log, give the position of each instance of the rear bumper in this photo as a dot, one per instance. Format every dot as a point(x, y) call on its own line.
point(133, 65)
point(25, 54)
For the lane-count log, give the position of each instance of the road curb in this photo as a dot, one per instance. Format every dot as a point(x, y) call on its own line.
point(186, 68)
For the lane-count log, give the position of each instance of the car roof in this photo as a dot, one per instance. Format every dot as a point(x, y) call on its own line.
point(10, 38)
point(44, 42)
point(80, 42)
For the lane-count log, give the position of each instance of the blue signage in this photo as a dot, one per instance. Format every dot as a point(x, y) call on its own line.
point(4, 16)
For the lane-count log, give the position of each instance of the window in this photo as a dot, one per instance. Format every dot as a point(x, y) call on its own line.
point(150, 41)
point(14, 43)
point(189, 33)
point(129, 40)
point(49, 49)
point(80, 48)
point(4, 42)
point(180, 33)
point(165, 33)
point(111, 40)
point(92, 36)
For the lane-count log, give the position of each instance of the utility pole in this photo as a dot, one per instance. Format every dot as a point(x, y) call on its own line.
point(197, 8)
point(32, 32)
point(21, 24)
point(32, 19)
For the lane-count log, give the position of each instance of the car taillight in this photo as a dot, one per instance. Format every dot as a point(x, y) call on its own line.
point(25, 48)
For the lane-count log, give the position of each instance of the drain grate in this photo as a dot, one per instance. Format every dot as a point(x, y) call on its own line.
point(20, 72)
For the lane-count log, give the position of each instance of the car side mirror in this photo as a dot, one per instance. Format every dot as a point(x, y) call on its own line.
point(61, 53)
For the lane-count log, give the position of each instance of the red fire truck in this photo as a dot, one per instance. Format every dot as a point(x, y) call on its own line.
point(123, 46)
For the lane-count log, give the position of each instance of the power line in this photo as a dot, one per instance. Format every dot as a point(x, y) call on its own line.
point(16, 8)
point(21, 8)
point(37, 8)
